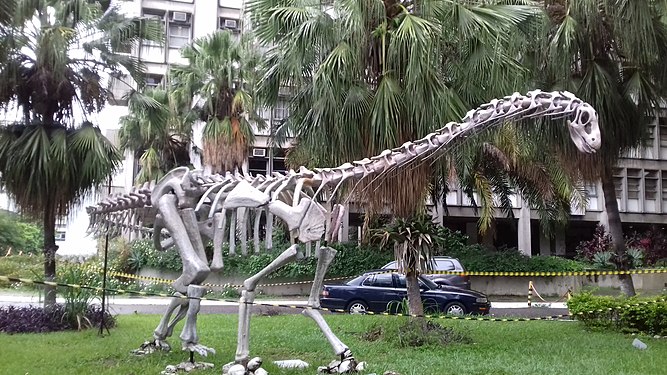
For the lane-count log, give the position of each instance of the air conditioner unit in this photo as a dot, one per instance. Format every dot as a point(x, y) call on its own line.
point(231, 24)
point(259, 152)
point(179, 16)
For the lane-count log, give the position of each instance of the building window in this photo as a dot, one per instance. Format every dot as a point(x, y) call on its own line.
point(662, 143)
point(156, 15)
point(280, 110)
point(153, 81)
point(634, 181)
point(618, 182)
point(180, 29)
point(179, 36)
point(651, 185)
point(60, 235)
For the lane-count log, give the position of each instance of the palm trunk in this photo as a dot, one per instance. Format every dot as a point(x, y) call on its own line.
point(50, 249)
point(415, 304)
point(616, 231)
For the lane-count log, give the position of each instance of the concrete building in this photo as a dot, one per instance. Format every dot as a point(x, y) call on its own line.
point(641, 177)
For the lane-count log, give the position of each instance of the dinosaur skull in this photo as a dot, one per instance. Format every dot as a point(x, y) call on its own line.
point(585, 130)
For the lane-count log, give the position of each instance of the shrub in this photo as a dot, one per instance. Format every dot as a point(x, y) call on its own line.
point(416, 333)
point(350, 260)
point(633, 314)
point(32, 319)
point(78, 307)
point(29, 267)
point(479, 259)
point(19, 235)
point(601, 242)
point(653, 245)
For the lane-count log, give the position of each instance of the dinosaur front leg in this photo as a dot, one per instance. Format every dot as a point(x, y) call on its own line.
point(166, 326)
point(347, 361)
point(248, 297)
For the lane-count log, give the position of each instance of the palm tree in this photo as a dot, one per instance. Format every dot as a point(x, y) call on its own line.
point(414, 241)
point(369, 75)
point(218, 80)
point(492, 167)
point(159, 131)
point(611, 54)
point(58, 53)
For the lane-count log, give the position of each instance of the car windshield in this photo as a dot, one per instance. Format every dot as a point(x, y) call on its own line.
point(429, 284)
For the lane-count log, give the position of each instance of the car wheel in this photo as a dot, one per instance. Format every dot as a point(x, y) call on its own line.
point(455, 308)
point(357, 307)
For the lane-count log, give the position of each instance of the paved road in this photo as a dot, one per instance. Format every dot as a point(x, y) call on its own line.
point(158, 305)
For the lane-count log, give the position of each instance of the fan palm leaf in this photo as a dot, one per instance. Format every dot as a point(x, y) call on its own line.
point(219, 73)
point(55, 57)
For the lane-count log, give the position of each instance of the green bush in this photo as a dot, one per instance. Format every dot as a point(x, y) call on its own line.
point(350, 260)
point(28, 267)
point(19, 235)
point(479, 259)
point(633, 314)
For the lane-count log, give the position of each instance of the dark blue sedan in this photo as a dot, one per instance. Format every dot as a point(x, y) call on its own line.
point(382, 291)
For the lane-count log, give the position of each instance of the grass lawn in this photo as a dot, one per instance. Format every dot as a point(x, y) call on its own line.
point(540, 347)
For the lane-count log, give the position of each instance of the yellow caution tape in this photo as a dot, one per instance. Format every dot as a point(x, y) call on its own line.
point(438, 316)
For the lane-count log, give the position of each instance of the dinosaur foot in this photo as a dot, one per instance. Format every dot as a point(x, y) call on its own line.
point(186, 367)
point(252, 368)
point(149, 347)
point(346, 365)
point(198, 348)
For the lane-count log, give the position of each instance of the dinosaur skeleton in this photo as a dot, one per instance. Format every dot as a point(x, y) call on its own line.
point(188, 205)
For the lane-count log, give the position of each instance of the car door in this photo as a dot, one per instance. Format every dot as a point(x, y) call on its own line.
point(379, 290)
point(430, 303)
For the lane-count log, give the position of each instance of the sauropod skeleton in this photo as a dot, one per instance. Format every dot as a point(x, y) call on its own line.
point(188, 206)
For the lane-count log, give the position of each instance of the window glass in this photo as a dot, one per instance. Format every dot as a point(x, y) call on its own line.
point(444, 265)
point(401, 282)
point(179, 35)
point(383, 280)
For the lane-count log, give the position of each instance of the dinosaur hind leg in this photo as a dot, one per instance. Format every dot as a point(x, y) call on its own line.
point(348, 363)
point(248, 297)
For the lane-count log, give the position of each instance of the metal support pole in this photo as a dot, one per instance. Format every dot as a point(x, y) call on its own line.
point(104, 272)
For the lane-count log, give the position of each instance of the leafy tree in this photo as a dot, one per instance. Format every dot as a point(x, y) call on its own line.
point(611, 54)
point(494, 166)
point(414, 241)
point(57, 55)
point(218, 81)
point(159, 130)
point(366, 76)
point(18, 235)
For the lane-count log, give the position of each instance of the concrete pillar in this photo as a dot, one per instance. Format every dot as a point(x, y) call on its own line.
point(524, 240)
point(344, 232)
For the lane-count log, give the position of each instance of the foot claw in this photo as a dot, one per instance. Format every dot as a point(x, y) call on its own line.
point(199, 349)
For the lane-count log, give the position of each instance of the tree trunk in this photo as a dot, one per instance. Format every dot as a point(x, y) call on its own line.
point(415, 305)
point(50, 249)
point(616, 231)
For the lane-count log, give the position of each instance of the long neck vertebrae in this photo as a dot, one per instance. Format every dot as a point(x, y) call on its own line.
point(515, 107)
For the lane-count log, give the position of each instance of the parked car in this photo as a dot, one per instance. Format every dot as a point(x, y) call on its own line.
point(442, 263)
point(380, 291)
